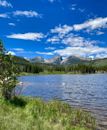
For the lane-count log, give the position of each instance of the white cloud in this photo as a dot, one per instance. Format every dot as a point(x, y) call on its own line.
point(92, 24)
point(51, 1)
point(62, 30)
point(83, 51)
point(11, 53)
point(67, 34)
point(50, 48)
point(78, 41)
point(4, 3)
point(12, 24)
point(73, 7)
point(18, 49)
point(54, 39)
point(99, 33)
point(27, 36)
point(76, 44)
point(102, 55)
point(72, 40)
point(28, 14)
point(4, 15)
point(81, 10)
point(44, 53)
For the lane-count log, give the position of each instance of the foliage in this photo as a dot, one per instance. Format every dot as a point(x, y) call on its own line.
point(7, 74)
point(35, 114)
point(48, 69)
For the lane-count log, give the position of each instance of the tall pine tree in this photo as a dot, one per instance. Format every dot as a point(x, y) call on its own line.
point(7, 74)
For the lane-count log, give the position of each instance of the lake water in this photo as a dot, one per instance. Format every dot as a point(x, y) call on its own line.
point(85, 91)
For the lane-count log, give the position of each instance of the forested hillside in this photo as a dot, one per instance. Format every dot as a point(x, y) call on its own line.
point(76, 66)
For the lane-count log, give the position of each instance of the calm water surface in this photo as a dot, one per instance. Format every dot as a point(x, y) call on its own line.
point(86, 91)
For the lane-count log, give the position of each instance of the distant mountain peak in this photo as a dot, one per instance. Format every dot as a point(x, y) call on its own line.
point(73, 60)
point(37, 59)
point(55, 60)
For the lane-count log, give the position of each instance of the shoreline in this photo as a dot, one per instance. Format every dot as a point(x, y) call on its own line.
point(56, 73)
point(52, 115)
point(101, 122)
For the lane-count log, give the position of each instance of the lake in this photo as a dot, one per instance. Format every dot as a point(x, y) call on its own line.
point(85, 91)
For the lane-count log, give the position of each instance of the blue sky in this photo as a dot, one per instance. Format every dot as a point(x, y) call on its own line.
point(47, 28)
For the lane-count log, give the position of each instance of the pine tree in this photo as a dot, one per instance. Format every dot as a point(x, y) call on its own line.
point(7, 74)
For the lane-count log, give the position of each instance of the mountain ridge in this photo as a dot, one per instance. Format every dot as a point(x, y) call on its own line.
point(58, 60)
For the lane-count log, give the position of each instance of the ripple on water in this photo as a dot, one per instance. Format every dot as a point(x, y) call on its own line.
point(86, 91)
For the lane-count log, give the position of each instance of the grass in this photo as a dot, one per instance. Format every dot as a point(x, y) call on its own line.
point(35, 114)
